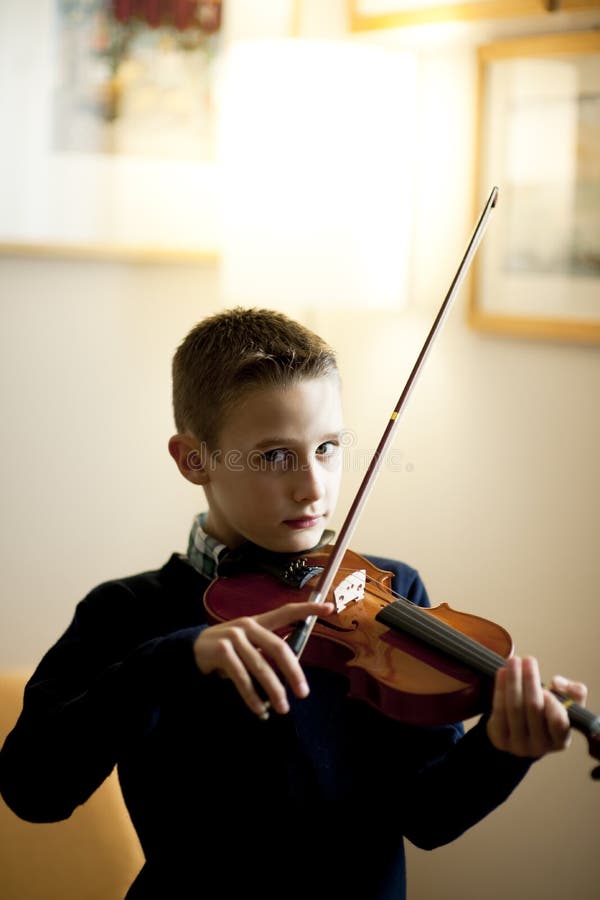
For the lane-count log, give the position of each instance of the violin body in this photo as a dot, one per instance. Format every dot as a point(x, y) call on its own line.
point(401, 675)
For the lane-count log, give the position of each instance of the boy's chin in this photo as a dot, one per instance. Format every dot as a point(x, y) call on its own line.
point(302, 541)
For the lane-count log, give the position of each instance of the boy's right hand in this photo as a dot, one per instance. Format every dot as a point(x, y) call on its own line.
point(238, 649)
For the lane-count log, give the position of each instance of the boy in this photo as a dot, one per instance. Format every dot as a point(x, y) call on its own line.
point(319, 797)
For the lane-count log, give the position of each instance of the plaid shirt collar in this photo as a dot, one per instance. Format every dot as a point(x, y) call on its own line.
point(203, 550)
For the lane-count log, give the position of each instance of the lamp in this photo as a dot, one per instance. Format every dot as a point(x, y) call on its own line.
point(316, 154)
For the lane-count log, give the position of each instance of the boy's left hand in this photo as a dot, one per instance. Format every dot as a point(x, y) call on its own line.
point(526, 719)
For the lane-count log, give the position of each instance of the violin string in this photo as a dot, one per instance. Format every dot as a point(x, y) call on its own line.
point(446, 638)
point(423, 625)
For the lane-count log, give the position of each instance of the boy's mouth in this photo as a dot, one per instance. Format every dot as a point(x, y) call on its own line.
point(303, 522)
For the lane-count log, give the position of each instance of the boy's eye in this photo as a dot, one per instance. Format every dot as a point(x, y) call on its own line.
point(274, 456)
point(279, 457)
point(328, 448)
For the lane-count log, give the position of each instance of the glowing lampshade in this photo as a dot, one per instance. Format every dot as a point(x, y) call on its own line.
point(316, 151)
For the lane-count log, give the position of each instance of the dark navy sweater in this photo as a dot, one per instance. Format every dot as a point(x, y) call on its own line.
point(314, 803)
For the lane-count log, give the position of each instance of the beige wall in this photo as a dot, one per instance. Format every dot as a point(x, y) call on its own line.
point(493, 490)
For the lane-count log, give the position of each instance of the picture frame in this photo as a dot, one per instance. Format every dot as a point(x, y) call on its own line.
point(537, 274)
point(374, 15)
point(141, 193)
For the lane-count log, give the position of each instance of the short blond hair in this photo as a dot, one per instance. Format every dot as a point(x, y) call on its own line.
point(231, 352)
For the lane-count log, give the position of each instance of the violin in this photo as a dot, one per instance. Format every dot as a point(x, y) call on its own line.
point(419, 665)
point(424, 666)
point(382, 645)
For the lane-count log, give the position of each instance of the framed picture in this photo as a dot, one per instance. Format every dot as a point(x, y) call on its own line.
point(538, 271)
point(369, 15)
point(108, 145)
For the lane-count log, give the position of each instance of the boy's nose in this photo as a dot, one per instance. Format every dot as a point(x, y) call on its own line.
point(308, 486)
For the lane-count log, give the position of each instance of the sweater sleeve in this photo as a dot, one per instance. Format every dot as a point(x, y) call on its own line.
point(92, 695)
point(466, 783)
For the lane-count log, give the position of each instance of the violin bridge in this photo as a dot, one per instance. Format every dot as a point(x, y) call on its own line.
point(350, 590)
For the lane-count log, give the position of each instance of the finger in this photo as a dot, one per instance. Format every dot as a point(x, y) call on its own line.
point(557, 716)
point(293, 612)
point(559, 724)
point(279, 651)
point(575, 690)
point(228, 651)
point(281, 656)
point(559, 729)
point(246, 650)
point(537, 737)
point(258, 680)
point(516, 718)
point(497, 726)
point(233, 664)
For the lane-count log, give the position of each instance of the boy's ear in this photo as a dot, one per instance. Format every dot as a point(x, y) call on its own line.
point(190, 457)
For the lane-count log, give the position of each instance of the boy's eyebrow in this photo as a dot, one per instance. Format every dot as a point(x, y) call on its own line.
point(289, 442)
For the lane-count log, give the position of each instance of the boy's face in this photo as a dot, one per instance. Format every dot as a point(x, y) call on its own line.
point(275, 477)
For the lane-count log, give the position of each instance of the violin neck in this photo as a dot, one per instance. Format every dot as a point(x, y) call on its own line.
point(582, 719)
point(402, 615)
